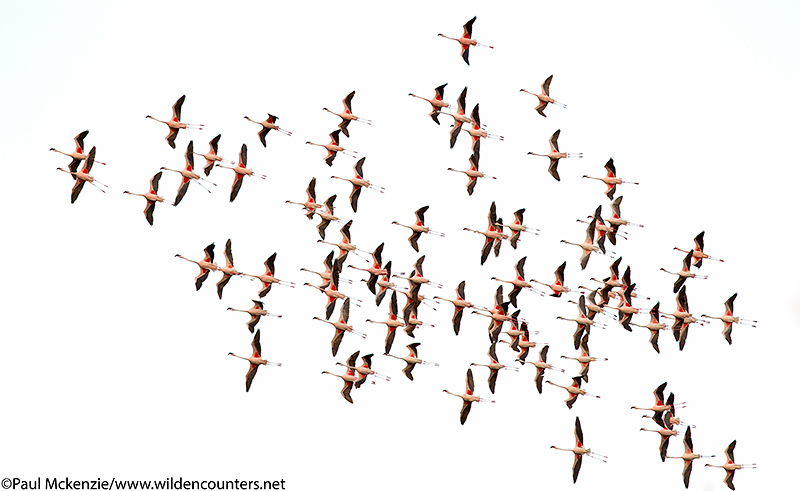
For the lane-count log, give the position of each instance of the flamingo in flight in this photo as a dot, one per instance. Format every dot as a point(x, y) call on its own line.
point(326, 275)
point(494, 234)
point(660, 405)
point(266, 125)
point(311, 202)
point(268, 278)
point(730, 466)
point(476, 131)
point(625, 309)
point(697, 252)
point(728, 319)
point(418, 228)
point(436, 103)
point(206, 265)
point(688, 456)
point(187, 174)
point(392, 323)
point(358, 182)
point(579, 450)
point(411, 359)
point(574, 390)
point(326, 216)
point(77, 155)
point(333, 147)
point(175, 123)
point(587, 246)
point(655, 326)
point(665, 431)
point(350, 377)
point(680, 329)
point(365, 369)
point(468, 396)
point(616, 220)
point(584, 323)
point(585, 358)
point(460, 303)
point(518, 281)
point(331, 290)
point(82, 176)
point(240, 170)
point(541, 365)
point(544, 97)
point(375, 271)
point(341, 327)
point(521, 339)
point(466, 40)
point(211, 157)
point(517, 228)
point(255, 360)
point(256, 312)
point(494, 367)
point(555, 155)
point(151, 197)
point(346, 245)
point(459, 117)
point(473, 174)
point(684, 273)
point(347, 115)
point(227, 270)
point(558, 286)
point(416, 279)
point(611, 180)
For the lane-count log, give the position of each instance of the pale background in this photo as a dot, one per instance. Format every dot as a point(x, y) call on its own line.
point(111, 365)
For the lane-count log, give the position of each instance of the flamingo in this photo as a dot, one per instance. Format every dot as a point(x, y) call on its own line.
point(655, 326)
point(82, 176)
point(240, 170)
point(333, 147)
point(592, 306)
point(579, 450)
point(436, 103)
point(466, 40)
point(416, 279)
point(341, 327)
point(499, 315)
point(311, 203)
point(688, 456)
point(583, 321)
point(256, 312)
point(175, 124)
point(611, 180)
point(266, 125)
point(697, 252)
point(558, 286)
point(206, 265)
point(346, 245)
point(375, 271)
point(669, 416)
point(326, 216)
point(730, 466)
point(544, 97)
point(660, 406)
point(412, 323)
point(587, 245)
point(347, 115)
point(665, 431)
point(77, 155)
point(574, 390)
point(612, 281)
point(349, 379)
point(460, 303)
point(476, 131)
point(473, 173)
point(255, 360)
point(268, 278)
point(625, 309)
point(541, 365)
point(555, 155)
point(331, 290)
point(616, 220)
point(211, 157)
point(493, 234)
point(518, 281)
point(188, 174)
point(392, 323)
point(411, 360)
point(358, 182)
point(384, 283)
point(517, 228)
point(468, 396)
point(326, 275)
point(684, 273)
point(680, 329)
point(418, 228)
point(728, 319)
point(494, 367)
point(365, 369)
point(228, 270)
point(459, 117)
point(585, 358)
point(151, 197)
point(521, 340)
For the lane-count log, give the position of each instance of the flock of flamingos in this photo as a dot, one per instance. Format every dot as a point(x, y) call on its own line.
point(590, 302)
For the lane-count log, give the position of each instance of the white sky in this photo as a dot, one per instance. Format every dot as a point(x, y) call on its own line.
point(112, 365)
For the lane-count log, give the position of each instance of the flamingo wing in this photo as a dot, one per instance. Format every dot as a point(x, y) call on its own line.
point(182, 191)
point(546, 85)
point(576, 467)
point(262, 135)
point(553, 169)
point(221, 284)
point(76, 190)
point(173, 133)
point(149, 208)
point(554, 141)
point(336, 341)
point(214, 144)
point(251, 374)
point(407, 370)
point(176, 108)
point(348, 386)
point(465, 411)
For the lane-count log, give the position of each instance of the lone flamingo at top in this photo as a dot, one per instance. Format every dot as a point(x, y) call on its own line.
point(418, 228)
point(240, 170)
point(730, 466)
point(555, 155)
point(77, 155)
point(82, 176)
point(206, 265)
point(266, 125)
point(466, 40)
point(175, 123)
point(333, 147)
point(468, 396)
point(688, 457)
point(188, 174)
point(544, 97)
point(697, 252)
point(436, 103)
point(579, 450)
point(728, 319)
point(151, 197)
point(358, 182)
point(255, 360)
point(347, 115)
